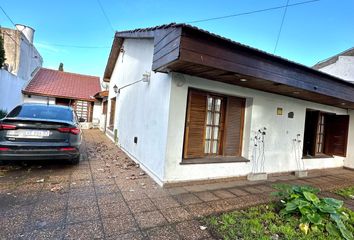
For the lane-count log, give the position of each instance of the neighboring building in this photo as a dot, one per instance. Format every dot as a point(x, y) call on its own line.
point(340, 65)
point(102, 98)
point(22, 60)
point(191, 105)
point(64, 88)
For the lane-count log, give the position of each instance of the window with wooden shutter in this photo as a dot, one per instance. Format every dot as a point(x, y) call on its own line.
point(112, 114)
point(325, 134)
point(235, 108)
point(195, 124)
point(337, 135)
point(214, 125)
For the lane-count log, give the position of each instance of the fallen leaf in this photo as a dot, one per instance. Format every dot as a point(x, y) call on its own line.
point(57, 188)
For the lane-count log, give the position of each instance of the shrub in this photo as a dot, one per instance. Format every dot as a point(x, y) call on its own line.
point(3, 113)
point(316, 214)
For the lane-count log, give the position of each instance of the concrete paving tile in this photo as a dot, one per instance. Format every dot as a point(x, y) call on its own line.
point(220, 205)
point(238, 192)
point(191, 230)
point(81, 201)
point(176, 190)
point(84, 230)
point(119, 225)
point(52, 233)
point(150, 219)
point(163, 233)
point(206, 196)
point(165, 202)
point(41, 219)
point(200, 210)
point(134, 195)
point(223, 194)
point(137, 235)
point(12, 226)
point(114, 209)
point(141, 205)
point(106, 189)
point(176, 214)
point(187, 198)
point(109, 198)
point(88, 213)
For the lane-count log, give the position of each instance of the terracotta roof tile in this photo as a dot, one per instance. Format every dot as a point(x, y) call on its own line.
point(48, 82)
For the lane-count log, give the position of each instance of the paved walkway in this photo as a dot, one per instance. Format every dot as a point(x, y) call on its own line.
point(107, 196)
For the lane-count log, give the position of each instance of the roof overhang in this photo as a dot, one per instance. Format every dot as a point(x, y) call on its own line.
point(189, 50)
point(58, 96)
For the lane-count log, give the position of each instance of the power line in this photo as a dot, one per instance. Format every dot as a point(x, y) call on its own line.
point(252, 12)
point(105, 15)
point(281, 26)
point(8, 17)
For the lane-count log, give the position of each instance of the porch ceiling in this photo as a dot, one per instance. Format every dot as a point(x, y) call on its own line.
point(257, 83)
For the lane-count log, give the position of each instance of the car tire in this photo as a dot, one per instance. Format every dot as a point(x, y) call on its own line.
point(75, 160)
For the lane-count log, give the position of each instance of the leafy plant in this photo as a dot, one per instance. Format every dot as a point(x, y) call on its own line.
point(3, 113)
point(316, 214)
point(2, 52)
point(347, 192)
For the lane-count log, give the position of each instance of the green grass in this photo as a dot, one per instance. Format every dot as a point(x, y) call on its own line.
point(347, 192)
point(263, 222)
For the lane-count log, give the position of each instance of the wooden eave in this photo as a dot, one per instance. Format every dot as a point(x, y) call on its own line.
point(189, 50)
point(198, 53)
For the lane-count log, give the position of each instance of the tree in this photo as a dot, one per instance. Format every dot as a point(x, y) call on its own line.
point(61, 67)
point(2, 52)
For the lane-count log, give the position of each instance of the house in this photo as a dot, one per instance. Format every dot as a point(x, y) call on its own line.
point(69, 89)
point(22, 60)
point(340, 65)
point(190, 105)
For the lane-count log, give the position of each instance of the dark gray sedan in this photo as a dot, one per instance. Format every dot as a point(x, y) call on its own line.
point(40, 132)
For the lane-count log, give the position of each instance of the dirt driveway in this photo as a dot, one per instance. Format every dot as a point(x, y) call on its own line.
point(107, 196)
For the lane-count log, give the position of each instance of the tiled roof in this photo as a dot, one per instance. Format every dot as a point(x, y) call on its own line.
point(48, 82)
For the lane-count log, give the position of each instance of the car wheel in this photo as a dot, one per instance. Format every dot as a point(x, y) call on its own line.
point(75, 160)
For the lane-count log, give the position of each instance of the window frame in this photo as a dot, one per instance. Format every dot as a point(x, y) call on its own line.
point(215, 158)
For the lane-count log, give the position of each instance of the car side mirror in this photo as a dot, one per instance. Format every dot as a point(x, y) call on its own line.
point(81, 119)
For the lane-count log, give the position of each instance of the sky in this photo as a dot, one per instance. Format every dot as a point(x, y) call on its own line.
point(311, 32)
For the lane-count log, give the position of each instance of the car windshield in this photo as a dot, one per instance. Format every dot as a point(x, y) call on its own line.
point(41, 112)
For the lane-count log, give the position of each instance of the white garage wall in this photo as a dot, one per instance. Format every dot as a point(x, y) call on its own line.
point(38, 99)
point(10, 90)
point(260, 112)
point(142, 108)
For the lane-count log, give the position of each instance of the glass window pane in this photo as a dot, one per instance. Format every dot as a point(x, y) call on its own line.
point(209, 118)
point(215, 147)
point(210, 103)
point(216, 133)
point(216, 119)
point(217, 104)
point(207, 147)
point(208, 133)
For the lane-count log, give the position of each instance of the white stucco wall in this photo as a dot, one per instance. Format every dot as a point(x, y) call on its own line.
point(142, 109)
point(38, 99)
point(342, 68)
point(10, 90)
point(260, 112)
point(96, 115)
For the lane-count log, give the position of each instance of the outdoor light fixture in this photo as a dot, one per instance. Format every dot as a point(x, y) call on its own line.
point(115, 88)
point(243, 80)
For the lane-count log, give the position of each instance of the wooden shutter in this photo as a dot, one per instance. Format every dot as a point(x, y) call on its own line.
point(195, 125)
point(337, 127)
point(233, 133)
point(112, 113)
